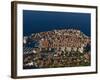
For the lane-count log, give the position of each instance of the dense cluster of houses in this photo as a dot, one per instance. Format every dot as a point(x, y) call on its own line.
point(69, 39)
point(65, 46)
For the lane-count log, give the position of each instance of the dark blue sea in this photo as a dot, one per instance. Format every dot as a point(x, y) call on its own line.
point(39, 21)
